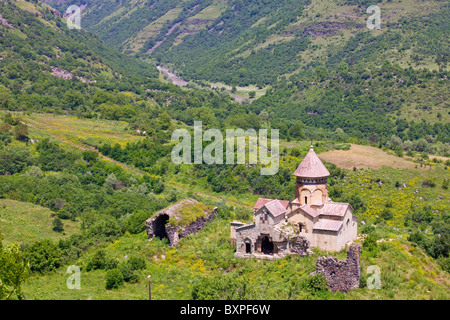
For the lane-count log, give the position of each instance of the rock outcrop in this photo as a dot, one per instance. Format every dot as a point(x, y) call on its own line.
point(160, 224)
point(341, 275)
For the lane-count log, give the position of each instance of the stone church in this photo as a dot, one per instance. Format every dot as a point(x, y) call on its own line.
point(312, 219)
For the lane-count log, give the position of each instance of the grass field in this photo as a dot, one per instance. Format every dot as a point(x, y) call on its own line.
point(360, 156)
point(22, 222)
point(81, 131)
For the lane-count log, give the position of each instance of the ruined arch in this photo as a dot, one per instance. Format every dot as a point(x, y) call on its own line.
point(159, 226)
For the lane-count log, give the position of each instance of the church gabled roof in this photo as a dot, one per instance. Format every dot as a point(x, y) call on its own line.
point(276, 207)
point(262, 201)
point(311, 167)
point(328, 225)
point(335, 208)
point(307, 209)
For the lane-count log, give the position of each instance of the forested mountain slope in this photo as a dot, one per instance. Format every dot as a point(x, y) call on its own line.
point(45, 66)
point(344, 80)
point(255, 42)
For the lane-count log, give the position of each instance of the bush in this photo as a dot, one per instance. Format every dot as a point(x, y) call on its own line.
point(14, 159)
point(58, 225)
point(43, 256)
point(445, 264)
point(34, 171)
point(100, 261)
point(20, 132)
point(219, 288)
point(314, 284)
point(370, 243)
point(445, 184)
point(135, 223)
point(430, 183)
point(137, 263)
point(386, 214)
point(107, 228)
point(114, 279)
point(128, 273)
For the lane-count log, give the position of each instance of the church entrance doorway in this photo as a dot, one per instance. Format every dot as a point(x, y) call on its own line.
point(266, 245)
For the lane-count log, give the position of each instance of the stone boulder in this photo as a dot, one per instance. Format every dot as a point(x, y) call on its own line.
point(179, 220)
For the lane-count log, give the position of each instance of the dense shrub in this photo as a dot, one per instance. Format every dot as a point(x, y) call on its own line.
point(114, 279)
point(100, 261)
point(58, 225)
point(43, 256)
point(314, 284)
point(128, 272)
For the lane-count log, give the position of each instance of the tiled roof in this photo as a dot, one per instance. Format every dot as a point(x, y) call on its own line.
point(311, 167)
point(275, 207)
point(284, 203)
point(328, 225)
point(317, 204)
point(260, 202)
point(334, 209)
point(313, 213)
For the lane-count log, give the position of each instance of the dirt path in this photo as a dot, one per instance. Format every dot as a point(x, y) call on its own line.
point(172, 76)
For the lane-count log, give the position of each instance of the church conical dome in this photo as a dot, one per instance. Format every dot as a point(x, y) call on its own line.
point(311, 167)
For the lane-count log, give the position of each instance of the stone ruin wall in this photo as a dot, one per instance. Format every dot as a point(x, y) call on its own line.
point(341, 275)
point(174, 233)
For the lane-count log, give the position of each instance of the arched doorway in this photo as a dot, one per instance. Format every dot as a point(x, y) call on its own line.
point(248, 245)
point(159, 226)
point(266, 245)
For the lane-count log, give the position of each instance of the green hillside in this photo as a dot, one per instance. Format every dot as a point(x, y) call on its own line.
point(312, 64)
point(85, 142)
point(107, 204)
point(25, 223)
point(256, 42)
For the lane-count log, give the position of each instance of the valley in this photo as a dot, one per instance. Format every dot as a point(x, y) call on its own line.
point(87, 120)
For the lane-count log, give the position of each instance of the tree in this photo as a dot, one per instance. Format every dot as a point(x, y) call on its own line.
point(34, 171)
point(14, 159)
point(90, 155)
point(6, 98)
point(296, 131)
point(110, 181)
point(164, 120)
point(110, 111)
point(73, 98)
point(20, 132)
point(13, 271)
